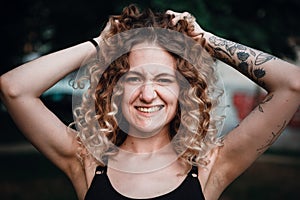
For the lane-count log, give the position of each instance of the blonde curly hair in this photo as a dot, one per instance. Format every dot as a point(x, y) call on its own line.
point(194, 132)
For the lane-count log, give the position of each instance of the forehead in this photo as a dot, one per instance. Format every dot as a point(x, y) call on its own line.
point(148, 54)
point(152, 70)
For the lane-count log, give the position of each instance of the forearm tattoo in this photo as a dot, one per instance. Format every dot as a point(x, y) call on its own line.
point(242, 58)
point(272, 139)
point(267, 99)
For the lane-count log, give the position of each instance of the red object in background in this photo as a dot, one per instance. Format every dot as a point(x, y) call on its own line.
point(245, 103)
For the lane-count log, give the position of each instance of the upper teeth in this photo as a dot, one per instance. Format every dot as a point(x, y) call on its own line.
point(149, 110)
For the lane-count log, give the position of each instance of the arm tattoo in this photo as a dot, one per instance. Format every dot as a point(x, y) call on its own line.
point(244, 59)
point(262, 58)
point(272, 139)
point(268, 98)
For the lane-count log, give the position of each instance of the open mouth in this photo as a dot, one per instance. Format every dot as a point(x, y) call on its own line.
point(149, 109)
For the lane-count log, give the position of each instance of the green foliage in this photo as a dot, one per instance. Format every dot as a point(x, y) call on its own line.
point(265, 25)
point(51, 25)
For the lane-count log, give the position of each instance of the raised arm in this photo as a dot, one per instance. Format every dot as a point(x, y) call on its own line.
point(279, 78)
point(264, 69)
point(20, 92)
point(259, 130)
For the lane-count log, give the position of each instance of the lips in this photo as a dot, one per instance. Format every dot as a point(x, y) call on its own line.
point(149, 109)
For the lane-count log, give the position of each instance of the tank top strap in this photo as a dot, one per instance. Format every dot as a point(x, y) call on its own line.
point(193, 172)
point(101, 169)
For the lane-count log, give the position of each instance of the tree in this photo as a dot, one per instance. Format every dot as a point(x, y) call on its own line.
point(45, 26)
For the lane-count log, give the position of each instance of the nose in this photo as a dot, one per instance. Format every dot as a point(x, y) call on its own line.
point(148, 93)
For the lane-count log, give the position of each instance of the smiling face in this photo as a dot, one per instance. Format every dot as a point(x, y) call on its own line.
point(151, 91)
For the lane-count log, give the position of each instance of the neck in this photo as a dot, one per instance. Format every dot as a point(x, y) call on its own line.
point(146, 145)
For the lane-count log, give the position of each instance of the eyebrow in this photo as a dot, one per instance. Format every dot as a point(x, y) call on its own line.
point(166, 74)
point(134, 73)
point(158, 75)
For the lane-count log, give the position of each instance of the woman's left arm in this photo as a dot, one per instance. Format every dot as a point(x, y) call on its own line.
point(279, 78)
point(260, 129)
point(269, 72)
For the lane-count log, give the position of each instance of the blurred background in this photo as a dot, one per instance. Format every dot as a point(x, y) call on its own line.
point(33, 28)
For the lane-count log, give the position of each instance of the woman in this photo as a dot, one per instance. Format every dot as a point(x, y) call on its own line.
point(144, 125)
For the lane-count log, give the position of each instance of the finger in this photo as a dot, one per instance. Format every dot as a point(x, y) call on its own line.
point(177, 16)
point(171, 12)
point(181, 16)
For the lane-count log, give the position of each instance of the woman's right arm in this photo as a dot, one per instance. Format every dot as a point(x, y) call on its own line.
point(20, 92)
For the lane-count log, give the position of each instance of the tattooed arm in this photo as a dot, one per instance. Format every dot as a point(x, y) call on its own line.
point(246, 60)
point(260, 129)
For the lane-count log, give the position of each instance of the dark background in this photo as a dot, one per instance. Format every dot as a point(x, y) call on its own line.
point(48, 25)
point(37, 27)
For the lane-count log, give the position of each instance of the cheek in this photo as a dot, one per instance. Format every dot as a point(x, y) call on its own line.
point(129, 95)
point(125, 102)
point(173, 96)
point(170, 94)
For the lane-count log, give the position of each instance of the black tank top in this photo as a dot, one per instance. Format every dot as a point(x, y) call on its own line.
point(101, 188)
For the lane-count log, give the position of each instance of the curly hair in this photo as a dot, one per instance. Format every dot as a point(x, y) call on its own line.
point(194, 131)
